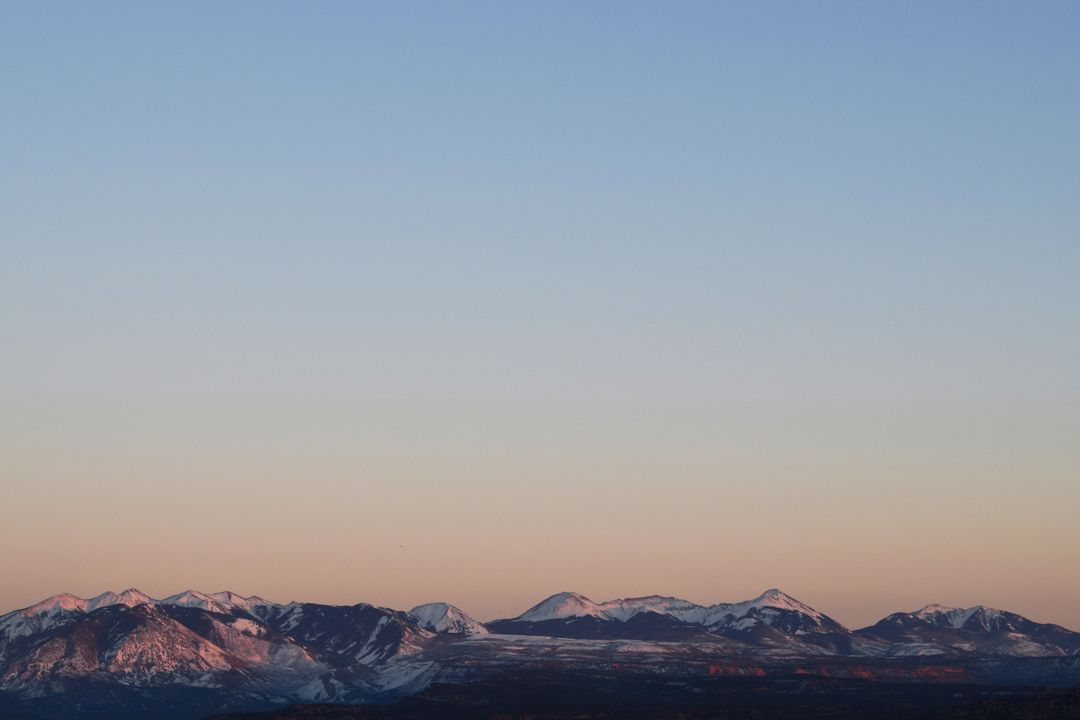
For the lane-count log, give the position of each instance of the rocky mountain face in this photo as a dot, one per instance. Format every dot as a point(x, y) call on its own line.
point(771, 619)
point(221, 641)
point(979, 630)
point(444, 618)
point(228, 650)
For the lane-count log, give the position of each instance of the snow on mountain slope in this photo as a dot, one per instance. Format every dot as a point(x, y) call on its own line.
point(977, 617)
point(975, 630)
point(237, 600)
point(771, 607)
point(347, 634)
point(773, 619)
point(196, 637)
point(39, 617)
point(779, 600)
point(626, 608)
point(134, 645)
point(444, 618)
point(219, 602)
point(562, 605)
point(60, 609)
point(129, 598)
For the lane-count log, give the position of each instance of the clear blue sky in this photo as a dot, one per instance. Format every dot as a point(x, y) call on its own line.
point(719, 270)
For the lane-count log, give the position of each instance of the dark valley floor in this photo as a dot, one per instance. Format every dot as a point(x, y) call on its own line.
point(584, 697)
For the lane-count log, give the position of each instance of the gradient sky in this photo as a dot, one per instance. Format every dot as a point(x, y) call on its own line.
point(400, 302)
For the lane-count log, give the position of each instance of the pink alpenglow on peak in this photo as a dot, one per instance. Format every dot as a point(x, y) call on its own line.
point(562, 605)
point(221, 602)
point(774, 598)
point(574, 605)
point(130, 597)
point(772, 617)
point(67, 603)
point(942, 616)
point(57, 603)
point(445, 619)
point(625, 608)
point(60, 608)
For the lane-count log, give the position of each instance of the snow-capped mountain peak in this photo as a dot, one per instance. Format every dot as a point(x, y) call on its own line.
point(236, 600)
point(770, 607)
point(65, 604)
point(194, 598)
point(60, 609)
point(775, 598)
point(68, 603)
point(978, 617)
point(625, 608)
point(974, 629)
point(62, 602)
point(132, 597)
point(219, 602)
point(562, 605)
point(444, 618)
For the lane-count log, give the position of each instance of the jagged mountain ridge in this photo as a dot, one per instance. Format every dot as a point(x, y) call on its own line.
point(771, 618)
point(155, 645)
point(64, 607)
point(194, 639)
point(252, 649)
point(978, 630)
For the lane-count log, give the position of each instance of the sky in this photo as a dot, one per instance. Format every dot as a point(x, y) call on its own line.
point(478, 302)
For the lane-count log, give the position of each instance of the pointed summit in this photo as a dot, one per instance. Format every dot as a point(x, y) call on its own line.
point(776, 598)
point(445, 619)
point(562, 605)
point(132, 596)
point(196, 599)
point(61, 602)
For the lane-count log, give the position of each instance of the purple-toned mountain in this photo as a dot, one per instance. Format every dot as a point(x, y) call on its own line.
point(153, 645)
point(193, 639)
point(244, 651)
point(774, 618)
point(444, 618)
point(936, 629)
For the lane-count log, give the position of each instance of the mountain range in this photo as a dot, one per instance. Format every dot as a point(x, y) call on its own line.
point(226, 650)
